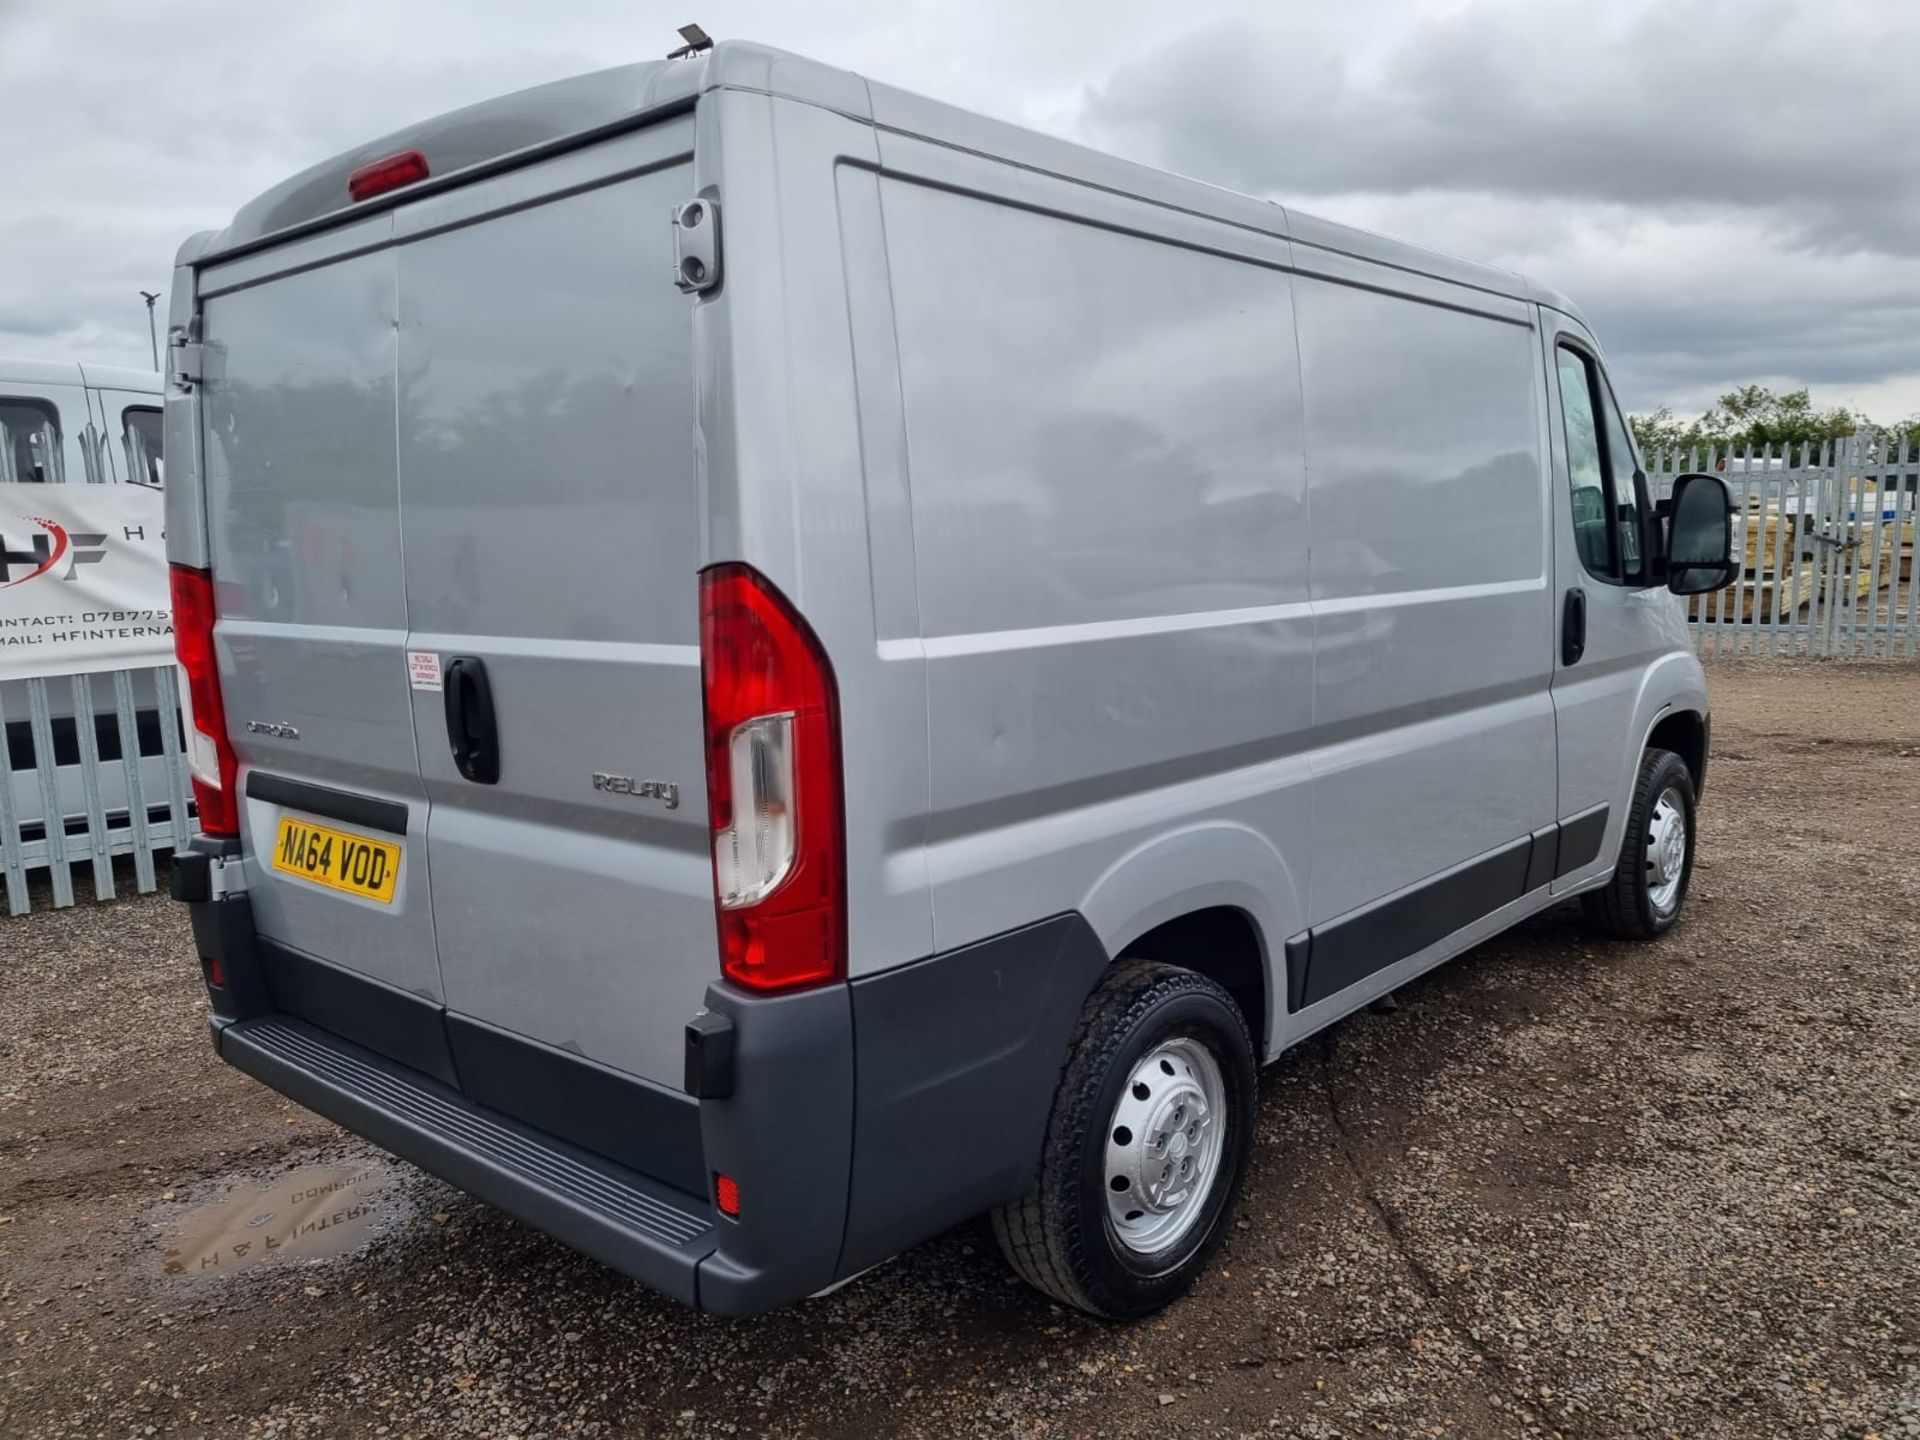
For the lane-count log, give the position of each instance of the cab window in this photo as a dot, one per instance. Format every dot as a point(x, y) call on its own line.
point(1622, 469)
point(29, 442)
point(1601, 469)
point(140, 435)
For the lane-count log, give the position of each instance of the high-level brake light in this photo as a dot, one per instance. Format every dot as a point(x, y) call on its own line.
point(389, 172)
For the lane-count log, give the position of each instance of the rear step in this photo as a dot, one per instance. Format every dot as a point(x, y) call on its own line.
point(635, 1224)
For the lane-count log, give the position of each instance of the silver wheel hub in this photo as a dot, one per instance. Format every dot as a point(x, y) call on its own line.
point(1163, 1145)
point(1666, 851)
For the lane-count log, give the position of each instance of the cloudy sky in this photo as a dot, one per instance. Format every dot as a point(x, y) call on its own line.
point(1726, 186)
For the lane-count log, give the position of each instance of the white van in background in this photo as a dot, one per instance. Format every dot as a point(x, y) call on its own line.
point(64, 422)
point(61, 420)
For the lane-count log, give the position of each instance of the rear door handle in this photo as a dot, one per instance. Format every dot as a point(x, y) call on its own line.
point(1573, 627)
point(471, 730)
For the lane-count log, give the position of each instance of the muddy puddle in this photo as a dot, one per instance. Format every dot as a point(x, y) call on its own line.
point(312, 1212)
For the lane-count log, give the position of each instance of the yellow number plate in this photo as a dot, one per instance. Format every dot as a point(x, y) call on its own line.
point(340, 861)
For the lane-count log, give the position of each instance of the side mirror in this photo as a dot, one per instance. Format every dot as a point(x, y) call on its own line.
point(1700, 553)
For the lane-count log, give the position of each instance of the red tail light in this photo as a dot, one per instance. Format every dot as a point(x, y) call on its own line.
point(773, 786)
point(209, 752)
point(387, 173)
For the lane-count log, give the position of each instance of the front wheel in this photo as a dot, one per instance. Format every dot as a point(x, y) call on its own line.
point(1146, 1146)
point(1649, 885)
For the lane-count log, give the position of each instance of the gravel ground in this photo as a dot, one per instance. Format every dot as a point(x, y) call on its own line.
point(1571, 1188)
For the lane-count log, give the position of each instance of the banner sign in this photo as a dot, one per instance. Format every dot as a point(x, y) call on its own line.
point(83, 580)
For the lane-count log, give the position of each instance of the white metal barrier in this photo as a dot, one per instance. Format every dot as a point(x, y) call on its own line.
point(1828, 540)
point(94, 769)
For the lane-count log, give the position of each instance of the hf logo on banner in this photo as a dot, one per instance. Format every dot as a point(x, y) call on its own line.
point(43, 551)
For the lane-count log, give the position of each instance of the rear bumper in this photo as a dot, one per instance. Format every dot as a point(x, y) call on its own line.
point(648, 1230)
point(943, 1069)
point(612, 1165)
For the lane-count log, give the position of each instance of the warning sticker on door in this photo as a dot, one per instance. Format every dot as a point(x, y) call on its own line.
point(423, 669)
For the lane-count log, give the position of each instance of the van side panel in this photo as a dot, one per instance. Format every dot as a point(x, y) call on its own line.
point(1110, 530)
point(1430, 590)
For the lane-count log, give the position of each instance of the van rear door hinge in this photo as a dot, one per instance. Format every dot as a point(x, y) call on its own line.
point(696, 245)
point(186, 362)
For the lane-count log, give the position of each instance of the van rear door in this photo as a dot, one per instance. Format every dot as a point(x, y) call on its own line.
point(463, 430)
point(551, 532)
point(303, 523)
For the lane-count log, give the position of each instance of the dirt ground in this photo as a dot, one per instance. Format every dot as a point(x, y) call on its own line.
point(1571, 1188)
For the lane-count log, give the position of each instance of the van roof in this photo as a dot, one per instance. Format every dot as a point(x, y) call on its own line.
point(73, 372)
point(499, 133)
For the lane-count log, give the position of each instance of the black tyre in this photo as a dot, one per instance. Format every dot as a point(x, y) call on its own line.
point(1649, 885)
point(1146, 1146)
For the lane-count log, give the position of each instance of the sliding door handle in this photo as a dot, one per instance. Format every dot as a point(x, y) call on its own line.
point(1573, 627)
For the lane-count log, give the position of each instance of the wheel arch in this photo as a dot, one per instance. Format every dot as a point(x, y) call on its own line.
point(1216, 898)
point(1686, 732)
point(1673, 694)
point(1223, 943)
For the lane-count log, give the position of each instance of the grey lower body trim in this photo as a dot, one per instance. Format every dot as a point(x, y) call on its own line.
point(630, 1121)
point(355, 809)
point(785, 1137)
point(957, 1059)
point(1580, 838)
point(388, 1021)
point(1299, 951)
point(1543, 864)
point(1346, 950)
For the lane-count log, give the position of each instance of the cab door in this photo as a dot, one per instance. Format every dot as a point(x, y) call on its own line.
point(1613, 622)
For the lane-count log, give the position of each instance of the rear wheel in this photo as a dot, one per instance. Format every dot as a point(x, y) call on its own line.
point(1649, 885)
point(1146, 1146)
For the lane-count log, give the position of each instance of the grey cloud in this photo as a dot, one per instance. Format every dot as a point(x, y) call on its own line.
point(1783, 108)
point(1685, 354)
point(27, 322)
point(1687, 303)
point(1720, 183)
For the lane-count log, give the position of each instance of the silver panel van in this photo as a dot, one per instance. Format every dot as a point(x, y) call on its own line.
point(776, 666)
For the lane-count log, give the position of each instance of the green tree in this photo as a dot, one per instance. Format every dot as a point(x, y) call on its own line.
point(1662, 431)
point(1752, 416)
